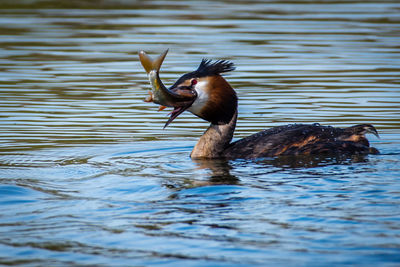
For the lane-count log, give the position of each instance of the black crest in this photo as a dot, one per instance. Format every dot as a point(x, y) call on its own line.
point(208, 67)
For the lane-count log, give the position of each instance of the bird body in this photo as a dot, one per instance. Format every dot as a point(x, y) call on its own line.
point(303, 139)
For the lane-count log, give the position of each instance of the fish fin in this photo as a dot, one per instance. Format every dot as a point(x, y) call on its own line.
point(149, 98)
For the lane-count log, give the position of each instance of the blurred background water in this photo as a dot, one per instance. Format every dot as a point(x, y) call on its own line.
point(89, 177)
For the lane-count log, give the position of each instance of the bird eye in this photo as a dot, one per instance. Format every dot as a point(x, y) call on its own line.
point(194, 82)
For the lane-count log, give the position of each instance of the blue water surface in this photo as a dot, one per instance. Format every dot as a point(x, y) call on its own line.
point(88, 176)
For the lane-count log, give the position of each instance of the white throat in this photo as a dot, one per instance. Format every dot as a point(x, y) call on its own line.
point(202, 97)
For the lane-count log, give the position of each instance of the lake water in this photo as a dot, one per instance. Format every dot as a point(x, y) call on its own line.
point(89, 177)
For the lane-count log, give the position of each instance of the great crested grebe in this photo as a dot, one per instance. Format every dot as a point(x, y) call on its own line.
point(206, 94)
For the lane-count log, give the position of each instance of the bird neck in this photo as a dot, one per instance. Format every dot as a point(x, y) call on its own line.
point(215, 140)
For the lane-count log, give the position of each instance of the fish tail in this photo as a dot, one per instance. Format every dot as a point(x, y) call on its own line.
point(149, 64)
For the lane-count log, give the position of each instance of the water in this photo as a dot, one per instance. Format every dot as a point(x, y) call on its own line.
point(88, 176)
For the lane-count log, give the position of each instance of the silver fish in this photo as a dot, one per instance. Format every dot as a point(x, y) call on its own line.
point(159, 93)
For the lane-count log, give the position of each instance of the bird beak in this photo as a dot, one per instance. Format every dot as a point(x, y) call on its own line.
point(180, 100)
point(181, 106)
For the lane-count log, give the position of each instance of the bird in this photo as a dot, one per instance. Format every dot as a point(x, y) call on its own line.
point(208, 95)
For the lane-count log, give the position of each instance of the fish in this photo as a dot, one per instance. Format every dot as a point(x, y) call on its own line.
point(160, 94)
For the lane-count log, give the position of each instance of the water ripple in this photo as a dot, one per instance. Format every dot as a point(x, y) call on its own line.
point(89, 177)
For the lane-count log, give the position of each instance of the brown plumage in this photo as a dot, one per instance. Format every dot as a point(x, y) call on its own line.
point(221, 102)
point(303, 139)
